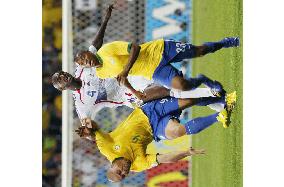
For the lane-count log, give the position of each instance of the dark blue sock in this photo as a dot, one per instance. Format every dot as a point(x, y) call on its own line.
point(196, 125)
point(201, 79)
point(211, 47)
point(204, 101)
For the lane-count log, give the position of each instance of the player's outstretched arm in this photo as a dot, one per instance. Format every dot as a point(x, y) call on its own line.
point(87, 129)
point(98, 41)
point(176, 156)
point(134, 53)
point(138, 94)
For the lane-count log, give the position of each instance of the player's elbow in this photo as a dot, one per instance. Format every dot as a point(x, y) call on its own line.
point(97, 44)
point(135, 47)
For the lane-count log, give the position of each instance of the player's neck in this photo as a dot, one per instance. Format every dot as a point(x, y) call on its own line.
point(76, 84)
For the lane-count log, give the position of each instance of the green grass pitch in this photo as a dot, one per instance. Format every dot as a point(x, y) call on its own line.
point(222, 166)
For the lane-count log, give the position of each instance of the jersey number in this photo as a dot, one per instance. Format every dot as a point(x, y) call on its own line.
point(180, 47)
point(136, 139)
point(91, 93)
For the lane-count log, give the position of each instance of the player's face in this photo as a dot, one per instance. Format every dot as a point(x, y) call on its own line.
point(67, 81)
point(87, 59)
point(119, 170)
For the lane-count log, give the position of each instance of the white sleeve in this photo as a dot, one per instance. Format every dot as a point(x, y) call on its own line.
point(139, 82)
point(92, 49)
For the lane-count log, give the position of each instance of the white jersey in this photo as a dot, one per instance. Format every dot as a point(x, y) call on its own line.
point(97, 93)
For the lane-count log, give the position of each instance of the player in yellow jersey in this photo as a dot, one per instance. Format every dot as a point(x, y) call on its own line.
point(125, 147)
point(151, 60)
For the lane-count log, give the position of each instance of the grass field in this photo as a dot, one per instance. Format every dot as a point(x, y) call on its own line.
point(222, 166)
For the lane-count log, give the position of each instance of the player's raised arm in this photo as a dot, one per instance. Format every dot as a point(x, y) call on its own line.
point(98, 41)
point(178, 155)
point(87, 129)
point(134, 53)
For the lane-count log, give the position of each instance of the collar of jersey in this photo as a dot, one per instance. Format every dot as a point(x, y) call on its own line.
point(99, 58)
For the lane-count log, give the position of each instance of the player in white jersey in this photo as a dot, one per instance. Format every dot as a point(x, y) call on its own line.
point(91, 93)
point(96, 93)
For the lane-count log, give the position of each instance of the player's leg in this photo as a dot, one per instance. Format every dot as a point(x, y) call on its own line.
point(170, 77)
point(157, 92)
point(203, 101)
point(195, 93)
point(168, 126)
point(218, 107)
point(169, 105)
point(174, 129)
point(181, 83)
point(191, 51)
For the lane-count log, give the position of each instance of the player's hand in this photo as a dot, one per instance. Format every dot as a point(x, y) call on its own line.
point(193, 151)
point(87, 122)
point(122, 78)
point(87, 128)
point(83, 131)
point(139, 95)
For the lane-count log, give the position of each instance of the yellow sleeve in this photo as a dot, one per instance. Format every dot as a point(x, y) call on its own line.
point(151, 160)
point(105, 145)
point(117, 48)
point(103, 140)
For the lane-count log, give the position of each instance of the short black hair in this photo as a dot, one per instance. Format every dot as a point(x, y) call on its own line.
point(56, 81)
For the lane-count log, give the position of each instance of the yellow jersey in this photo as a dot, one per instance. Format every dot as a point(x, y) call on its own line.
point(114, 57)
point(129, 140)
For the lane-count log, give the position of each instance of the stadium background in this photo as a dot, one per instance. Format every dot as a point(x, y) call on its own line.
point(134, 21)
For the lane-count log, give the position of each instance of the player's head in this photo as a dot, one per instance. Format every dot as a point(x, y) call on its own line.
point(64, 81)
point(87, 59)
point(119, 169)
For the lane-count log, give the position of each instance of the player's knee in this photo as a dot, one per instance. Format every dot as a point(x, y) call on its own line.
point(184, 85)
point(176, 132)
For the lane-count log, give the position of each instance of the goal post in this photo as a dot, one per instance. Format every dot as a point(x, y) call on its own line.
point(67, 104)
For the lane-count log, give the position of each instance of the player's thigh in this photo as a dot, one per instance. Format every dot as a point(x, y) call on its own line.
point(155, 92)
point(164, 75)
point(186, 102)
point(166, 106)
point(180, 83)
point(187, 52)
point(162, 126)
point(174, 129)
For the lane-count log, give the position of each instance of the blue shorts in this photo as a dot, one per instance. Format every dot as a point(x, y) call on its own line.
point(159, 112)
point(174, 51)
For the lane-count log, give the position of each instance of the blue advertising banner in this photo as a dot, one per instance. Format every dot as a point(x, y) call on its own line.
point(169, 19)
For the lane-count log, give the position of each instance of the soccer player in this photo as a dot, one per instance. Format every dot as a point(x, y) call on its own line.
point(91, 93)
point(125, 147)
point(151, 60)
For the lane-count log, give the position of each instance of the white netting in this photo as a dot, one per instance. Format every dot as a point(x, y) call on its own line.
point(127, 23)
